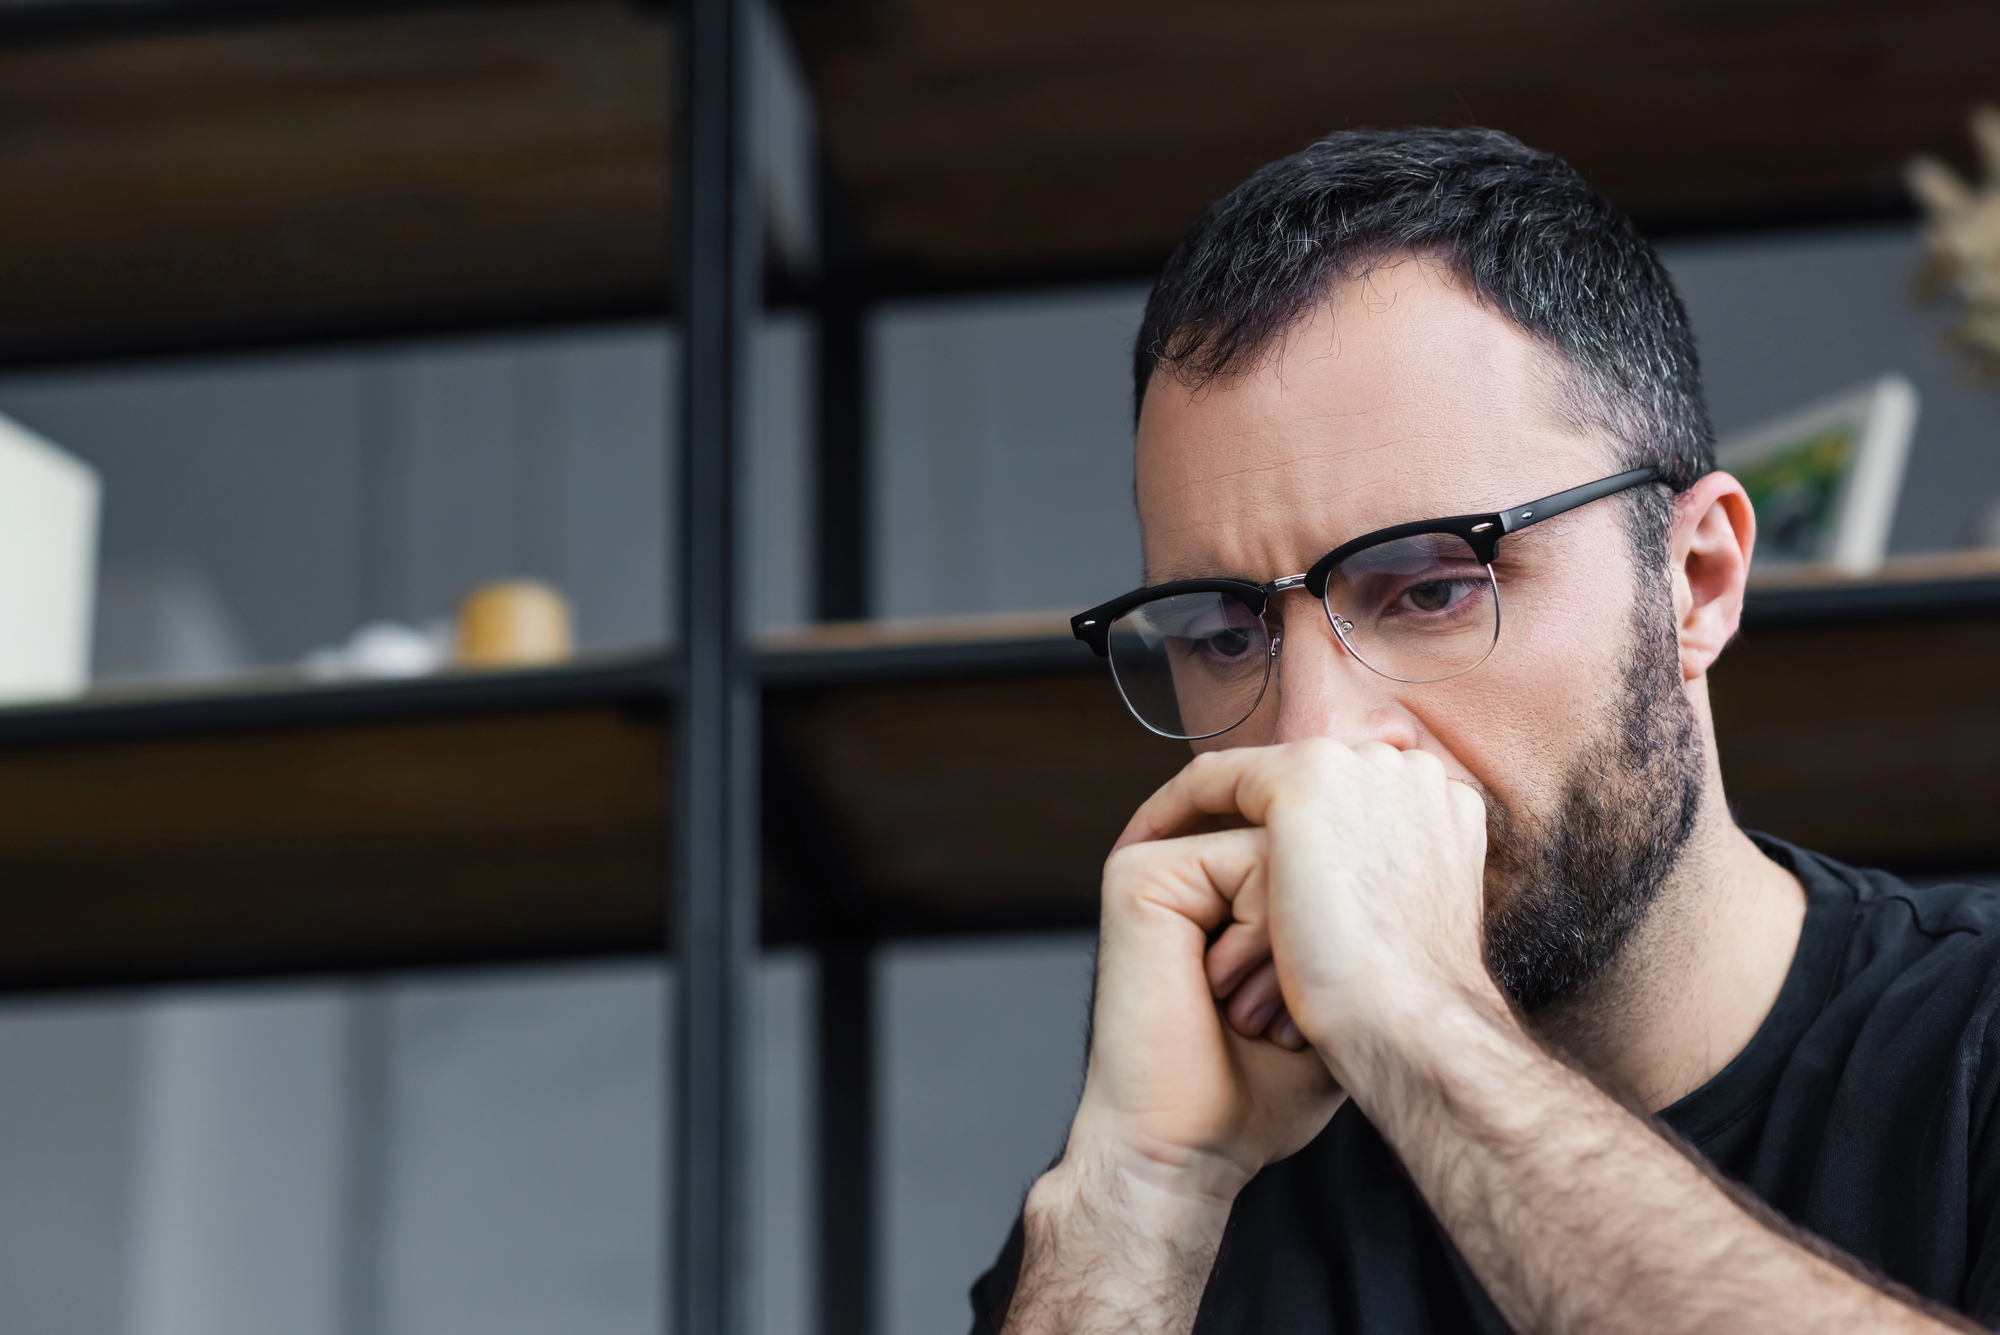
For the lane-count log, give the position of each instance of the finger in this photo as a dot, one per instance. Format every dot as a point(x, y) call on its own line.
point(1210, 786)
point(1257, 1002)
point(1469, 805)
point(1284, 1031)
point(1242, 946)
point(1195, 877)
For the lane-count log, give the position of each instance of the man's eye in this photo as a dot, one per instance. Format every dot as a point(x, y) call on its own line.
point(1229, 643)
point(1439, 595)
point(1433, 595)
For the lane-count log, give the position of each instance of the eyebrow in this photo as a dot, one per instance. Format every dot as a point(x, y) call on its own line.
point(1150, 578)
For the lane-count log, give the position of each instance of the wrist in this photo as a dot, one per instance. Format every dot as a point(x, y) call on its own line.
point(1455, 1045)
point(1177, 1198)
point(1106, 1246)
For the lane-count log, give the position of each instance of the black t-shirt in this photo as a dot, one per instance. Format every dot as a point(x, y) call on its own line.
point(1861, 1110)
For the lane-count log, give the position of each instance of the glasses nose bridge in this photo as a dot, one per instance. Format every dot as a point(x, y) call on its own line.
point(1287, 584)
point(1273, 592)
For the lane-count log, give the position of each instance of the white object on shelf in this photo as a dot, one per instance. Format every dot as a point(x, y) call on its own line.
point(48, 567)
point(383, 651)
point(1825, 478)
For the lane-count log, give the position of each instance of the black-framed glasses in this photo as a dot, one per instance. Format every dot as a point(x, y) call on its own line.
point(1413, 602)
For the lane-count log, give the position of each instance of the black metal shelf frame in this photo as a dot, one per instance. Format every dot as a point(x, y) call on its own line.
point(713, 902)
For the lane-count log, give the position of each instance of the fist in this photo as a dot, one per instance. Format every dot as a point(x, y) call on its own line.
point(1370, 913)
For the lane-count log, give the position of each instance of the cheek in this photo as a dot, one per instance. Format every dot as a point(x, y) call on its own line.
point(1518, 721)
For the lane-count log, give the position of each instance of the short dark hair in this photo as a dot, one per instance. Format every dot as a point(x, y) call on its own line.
point(1534, 238)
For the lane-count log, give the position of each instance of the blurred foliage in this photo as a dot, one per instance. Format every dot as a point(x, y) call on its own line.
point(1963, 238)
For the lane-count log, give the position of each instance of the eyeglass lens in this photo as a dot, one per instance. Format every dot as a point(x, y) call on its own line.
point(1191, 665)
point(1415, 609)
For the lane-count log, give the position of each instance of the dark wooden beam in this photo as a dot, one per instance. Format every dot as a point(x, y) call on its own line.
point(978, 137)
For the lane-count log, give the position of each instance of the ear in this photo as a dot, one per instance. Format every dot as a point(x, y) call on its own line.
point(1715, 530)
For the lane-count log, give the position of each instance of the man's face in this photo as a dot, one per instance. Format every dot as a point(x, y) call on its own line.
point(1402, 398)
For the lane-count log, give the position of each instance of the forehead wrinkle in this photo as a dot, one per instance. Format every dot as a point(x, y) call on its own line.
point(1311, 457)
point(1243, 470)
point(1267, 514)
point(1264, 517)
point(1302, 453)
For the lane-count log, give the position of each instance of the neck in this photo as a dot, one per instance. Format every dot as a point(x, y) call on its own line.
point(1690, 988)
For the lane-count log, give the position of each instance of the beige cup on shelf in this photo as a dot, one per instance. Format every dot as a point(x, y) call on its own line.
point(513, 623)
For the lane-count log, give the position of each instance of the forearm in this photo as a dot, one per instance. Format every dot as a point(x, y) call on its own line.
point(1576, 1215)
point(1107, 1250)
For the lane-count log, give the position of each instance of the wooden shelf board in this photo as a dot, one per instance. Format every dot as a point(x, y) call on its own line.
point(335, 175)
point(332, 845)
point(974, 134)
point(226, 175)
point(283, 700)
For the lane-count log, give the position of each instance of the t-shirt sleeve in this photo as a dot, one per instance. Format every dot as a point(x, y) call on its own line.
point(993, 1291)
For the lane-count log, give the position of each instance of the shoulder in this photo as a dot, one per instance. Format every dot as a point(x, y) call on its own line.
point(1880, 941)
point(1885, 910)
point(1890, 907)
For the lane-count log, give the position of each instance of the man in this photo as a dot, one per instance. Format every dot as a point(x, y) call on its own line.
point(1440, 991)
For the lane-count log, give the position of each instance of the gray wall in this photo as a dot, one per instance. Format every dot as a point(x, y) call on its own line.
point(982, 1047)
point(68, 1088)
point(520, 1165)
point(313, 492)
point(1002, 453)
point(480, 1154)
point(475, 1154)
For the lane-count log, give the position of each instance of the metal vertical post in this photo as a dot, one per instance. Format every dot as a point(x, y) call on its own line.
point(847, 1136)
point(842, 310)
point(715, 788)
point(847, 1216)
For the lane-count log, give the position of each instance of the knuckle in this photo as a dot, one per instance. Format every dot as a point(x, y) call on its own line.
point(1118, 898)
point(1318, 755)
point(1124, 864)
point(1424, 764)
point(1317, 746)
point(1203, 762)
point(1469, 802)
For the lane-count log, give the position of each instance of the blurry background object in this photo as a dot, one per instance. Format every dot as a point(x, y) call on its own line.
point(164, 623)
point(1825, 478)
point(1986, 533)
point(514, 623)
point(1964, 241)
point(48, 566)
point(382, 651)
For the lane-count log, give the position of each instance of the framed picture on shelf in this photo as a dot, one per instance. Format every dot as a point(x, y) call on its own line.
point(1824, 478)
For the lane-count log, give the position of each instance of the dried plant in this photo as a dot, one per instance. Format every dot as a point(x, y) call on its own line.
point(1964, 241)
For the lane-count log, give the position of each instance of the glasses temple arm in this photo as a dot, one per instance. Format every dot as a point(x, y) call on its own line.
point(1549, 506)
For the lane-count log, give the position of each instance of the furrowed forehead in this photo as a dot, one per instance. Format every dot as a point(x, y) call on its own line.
point(1401, 397)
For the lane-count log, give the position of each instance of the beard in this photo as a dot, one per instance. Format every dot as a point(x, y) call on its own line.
point(1578, 880)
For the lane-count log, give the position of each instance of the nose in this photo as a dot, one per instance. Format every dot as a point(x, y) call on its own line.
point(1323, 690)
